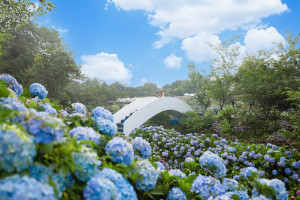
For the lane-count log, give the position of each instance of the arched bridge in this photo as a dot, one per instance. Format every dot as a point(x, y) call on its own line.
point(138, 112)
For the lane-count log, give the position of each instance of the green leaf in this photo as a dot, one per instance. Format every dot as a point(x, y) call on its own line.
point(4, 92)
point(46, 147)
point(235, 197)
point(157, 191)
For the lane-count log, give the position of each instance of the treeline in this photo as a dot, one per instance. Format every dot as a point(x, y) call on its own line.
point(37, 54)
point(267, 80)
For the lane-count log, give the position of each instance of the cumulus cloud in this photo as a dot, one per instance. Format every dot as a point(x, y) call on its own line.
point(173, 61)
point(197, 48)
point(105, 66)
point(257, 39)
point(182, 19)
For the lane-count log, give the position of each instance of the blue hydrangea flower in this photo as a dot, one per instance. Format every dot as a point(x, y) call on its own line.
point(17, 149)
point(207, 186)
point(247, 172)
point(230, 184)
point(177, 172)
point(42, 126)
point(147, 175)
point(278, 186)
point(160, 166)
point(213, 163)
point(85, 133)
point(274, 172)
point(12, 104)
point(231, 149)
point(101, 112)
point(243, 195)
point(42, 173)
point(189, 159)
point(287, 170)
point(295, 176)
point(296, 164)
point(222, 197)
point(79, 108)
point(38, 90)
point(49, 109)
point(120, 150)
point(105, 126)
point(12, 83)
point(176, 194)
point(142, 147)
point(16, 187)
point(88, 160)
point(99, 188)
point(124, 190)
point(260, 197)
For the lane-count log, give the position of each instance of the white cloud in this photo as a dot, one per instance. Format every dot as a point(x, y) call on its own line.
point(257, 39)
point(186, 18)
point(197, 48)
point(173, 61)
point(59, 29)
point(105, 66)
point(143, 80)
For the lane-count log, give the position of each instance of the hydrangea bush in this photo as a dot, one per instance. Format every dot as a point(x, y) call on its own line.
point(50, 155)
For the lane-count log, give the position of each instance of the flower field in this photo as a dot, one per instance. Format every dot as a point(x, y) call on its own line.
point(48, 152)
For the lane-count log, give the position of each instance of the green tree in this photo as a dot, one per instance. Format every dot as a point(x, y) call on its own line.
point(37, 54)
point(265, 81)
point(200, 83)
point(225, 66)
point(16, 13)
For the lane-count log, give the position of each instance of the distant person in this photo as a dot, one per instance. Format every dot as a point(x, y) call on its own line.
point(161, 93)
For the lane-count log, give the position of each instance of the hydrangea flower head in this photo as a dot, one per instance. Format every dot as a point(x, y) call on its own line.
point(189, 159)
point(287, 170)
point(120, 150)
point(12, 104)
point(124, 190)
point(12, 83)
point(176, 194)
point(49, 109)
point(142, 147)
point(16, 187)
point(278, 186)
point(17, 149)
point(247, 172)
point(42, 173)
point(38, 90)
point(177, 172)
point(88, 160)
point(230, 184)
point(99, 188)
point(160, 166)
point(79, 108)
point(147, 175)
point(42, 126)
point(231, 150)
point(213, 163)
point(243, 195)
point(207, 186)
point(101, 112)
point(85, 133)
point(105, 126)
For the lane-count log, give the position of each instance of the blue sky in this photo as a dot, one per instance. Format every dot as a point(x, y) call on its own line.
point(137, 41)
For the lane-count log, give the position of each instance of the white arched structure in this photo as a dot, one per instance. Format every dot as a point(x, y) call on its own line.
point(145, 108)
